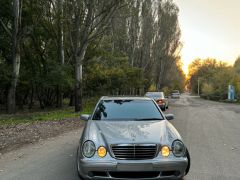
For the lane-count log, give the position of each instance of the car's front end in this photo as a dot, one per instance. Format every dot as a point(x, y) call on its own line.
point(144, 164)
point(175, 95)
point(143, 146)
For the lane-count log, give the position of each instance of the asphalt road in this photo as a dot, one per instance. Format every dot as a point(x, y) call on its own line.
point(211, 131)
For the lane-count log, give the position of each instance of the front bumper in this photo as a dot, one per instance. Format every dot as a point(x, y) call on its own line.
point(175, 96)
point(157, 168)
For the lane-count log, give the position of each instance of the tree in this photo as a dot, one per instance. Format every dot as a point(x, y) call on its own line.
point(166, 41)
point(237, 65)
point(61, 56)
point(148, 32)
point(236, 80)
point(213, 77)
point(17, 9)
point(91, 17)
point(121, 46)
point(207, 89)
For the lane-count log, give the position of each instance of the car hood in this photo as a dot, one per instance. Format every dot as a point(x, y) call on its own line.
point(120, 132)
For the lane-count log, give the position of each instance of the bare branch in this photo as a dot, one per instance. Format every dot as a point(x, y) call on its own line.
point(5, 28)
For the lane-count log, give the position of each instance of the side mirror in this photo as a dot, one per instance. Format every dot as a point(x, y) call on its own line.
point(85, 117)
point(169, 116)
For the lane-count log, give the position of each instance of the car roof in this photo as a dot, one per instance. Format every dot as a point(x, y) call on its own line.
point(125, 98)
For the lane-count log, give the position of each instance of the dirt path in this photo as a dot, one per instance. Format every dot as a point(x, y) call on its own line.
point(15, 136)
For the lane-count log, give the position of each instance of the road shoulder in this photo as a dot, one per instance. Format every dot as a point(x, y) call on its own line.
point(38, 154)
point(15, 136)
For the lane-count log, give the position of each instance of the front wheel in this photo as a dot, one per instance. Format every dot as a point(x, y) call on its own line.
point(189, 163)
point(164, 108)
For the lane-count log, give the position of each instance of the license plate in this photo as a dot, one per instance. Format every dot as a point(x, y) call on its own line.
point(134, 167)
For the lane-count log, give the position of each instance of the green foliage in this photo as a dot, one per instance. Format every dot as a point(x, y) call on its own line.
point(213, 77)
point(236, 79)
point(152, 88)
point(110, 73)
point(175, 79)
point(207, 89)
point(166, 91)
point(237, 65)
point(50, 115)
point(4, 75)
point(134, 47)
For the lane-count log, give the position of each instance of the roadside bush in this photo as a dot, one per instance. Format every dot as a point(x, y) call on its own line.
point(213, 77)
point(166, 91)
point(207, 90)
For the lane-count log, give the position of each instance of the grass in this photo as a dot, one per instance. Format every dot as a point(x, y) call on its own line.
point(51, 115)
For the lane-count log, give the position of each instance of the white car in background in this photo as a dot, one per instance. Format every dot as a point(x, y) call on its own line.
point(175, 94)
point(160, 99)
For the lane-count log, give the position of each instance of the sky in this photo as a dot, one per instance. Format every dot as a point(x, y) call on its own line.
point(210, 29)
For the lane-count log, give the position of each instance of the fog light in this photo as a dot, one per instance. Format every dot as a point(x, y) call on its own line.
point(165, 151)
point(102, 151)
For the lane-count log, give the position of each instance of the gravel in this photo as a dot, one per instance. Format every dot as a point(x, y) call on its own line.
point(15, 136)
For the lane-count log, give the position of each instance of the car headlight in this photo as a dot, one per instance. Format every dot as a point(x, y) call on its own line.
point(88, 149)
point(178, 148)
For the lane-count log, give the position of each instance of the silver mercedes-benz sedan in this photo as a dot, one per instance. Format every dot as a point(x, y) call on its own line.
point(130, 138)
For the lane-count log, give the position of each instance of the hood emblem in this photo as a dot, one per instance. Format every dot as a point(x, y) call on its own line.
point(133, 136)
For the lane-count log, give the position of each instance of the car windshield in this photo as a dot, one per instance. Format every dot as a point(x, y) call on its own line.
point(127, 110)
point(176, 91)
point(155, 95)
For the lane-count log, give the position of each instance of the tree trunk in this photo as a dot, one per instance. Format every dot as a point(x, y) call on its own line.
point(79, 53)
point(11, 104)
point(31, 98)
point(78, 86)
point(71, 102)
point(78, 77)
point(60, 50)
point(62, 55)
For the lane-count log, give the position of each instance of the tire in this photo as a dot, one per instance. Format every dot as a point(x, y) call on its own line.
point(164, 108)
point(189, 163)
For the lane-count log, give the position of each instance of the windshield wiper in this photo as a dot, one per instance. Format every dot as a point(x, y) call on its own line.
point(143, 119)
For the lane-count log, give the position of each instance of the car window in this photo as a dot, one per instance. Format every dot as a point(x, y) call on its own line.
point(127, 110)
point(155, 95)
point(176, 91)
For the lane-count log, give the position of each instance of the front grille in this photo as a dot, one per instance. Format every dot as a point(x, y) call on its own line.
point(134, 151)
